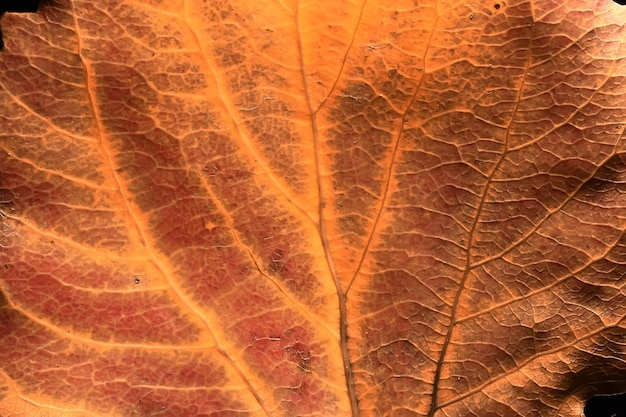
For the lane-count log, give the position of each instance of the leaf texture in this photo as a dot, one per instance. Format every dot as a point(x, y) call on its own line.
point(312, 208)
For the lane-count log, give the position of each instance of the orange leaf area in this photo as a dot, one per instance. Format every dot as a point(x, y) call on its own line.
point(312, 208)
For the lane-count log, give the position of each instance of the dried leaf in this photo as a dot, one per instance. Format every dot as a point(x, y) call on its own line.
point(312, 208)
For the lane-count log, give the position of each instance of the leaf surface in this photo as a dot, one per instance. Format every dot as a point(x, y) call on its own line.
point(312, 208)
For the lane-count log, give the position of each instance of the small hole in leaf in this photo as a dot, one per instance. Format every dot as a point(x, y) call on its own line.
point(137, 281)
point(622, 2)
point(606, 406)
point(496, 6)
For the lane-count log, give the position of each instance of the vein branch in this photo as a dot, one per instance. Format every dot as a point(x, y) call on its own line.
point(472, 235)
point(343, 324)
point(152, 253)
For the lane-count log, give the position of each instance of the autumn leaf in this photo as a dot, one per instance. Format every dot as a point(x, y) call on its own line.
point(312, 208)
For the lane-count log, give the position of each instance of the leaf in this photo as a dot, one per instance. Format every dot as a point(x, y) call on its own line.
point(312, 208)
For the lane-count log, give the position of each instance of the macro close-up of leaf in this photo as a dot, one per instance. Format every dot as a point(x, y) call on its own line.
point(312, 208)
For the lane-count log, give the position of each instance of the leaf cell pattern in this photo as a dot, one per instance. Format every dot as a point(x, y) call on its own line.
point(305, 208)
